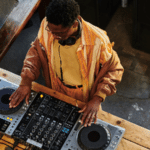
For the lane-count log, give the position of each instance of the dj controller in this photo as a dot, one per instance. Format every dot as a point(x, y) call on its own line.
point(51, 124)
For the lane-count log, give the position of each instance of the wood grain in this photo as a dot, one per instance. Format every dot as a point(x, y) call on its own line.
point(127, 145)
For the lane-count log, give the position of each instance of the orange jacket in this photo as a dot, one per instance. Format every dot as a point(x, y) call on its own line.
point(100, 66)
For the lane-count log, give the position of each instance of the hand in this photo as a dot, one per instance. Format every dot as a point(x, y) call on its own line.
point(90, 111)
point(22, 92)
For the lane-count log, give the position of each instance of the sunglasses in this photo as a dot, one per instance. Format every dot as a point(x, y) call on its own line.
point(56, 33)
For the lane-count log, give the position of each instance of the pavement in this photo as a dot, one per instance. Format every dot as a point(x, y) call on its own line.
point(132, 100)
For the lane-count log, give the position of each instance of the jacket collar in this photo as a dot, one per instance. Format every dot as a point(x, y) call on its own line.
point(87, 36)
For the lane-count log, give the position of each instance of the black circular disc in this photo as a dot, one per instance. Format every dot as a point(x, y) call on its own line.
point(5, 93)
point(93, 137)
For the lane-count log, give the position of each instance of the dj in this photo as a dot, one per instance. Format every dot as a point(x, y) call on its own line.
point(76, 57)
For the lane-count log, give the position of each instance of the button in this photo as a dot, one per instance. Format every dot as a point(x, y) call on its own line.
point(38, 123)
point(37, 137)
point(46, 121)
point(117, 137)
point(47, 132)
point(53, 123)
point(120, 131)
point(50, 128)
point(31, 134)
point(55, 131)
point(41, 96)
point(58, 126)
point(44, 126)
point(41, 129)
point(53, 134)
point(51, 138)
point(35, 127)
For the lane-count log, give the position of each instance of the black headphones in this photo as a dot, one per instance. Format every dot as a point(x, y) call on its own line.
point(71, 40)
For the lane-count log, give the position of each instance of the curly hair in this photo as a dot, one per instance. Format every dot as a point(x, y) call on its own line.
point(63, 12)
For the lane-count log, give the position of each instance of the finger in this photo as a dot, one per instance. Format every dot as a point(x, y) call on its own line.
point(83, 117)
point(19, 101)
point(91, 119)
point(82, 110)
point(88, 118)
point(11, 96)
point(95, 118)
point(14, 100)
point(27, 99)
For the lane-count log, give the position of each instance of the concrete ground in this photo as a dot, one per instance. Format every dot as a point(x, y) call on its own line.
point(131, 102)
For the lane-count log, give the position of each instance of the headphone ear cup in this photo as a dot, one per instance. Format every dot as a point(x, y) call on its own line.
point(69, 41)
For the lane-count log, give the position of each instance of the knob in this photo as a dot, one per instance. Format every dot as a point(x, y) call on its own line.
point(37, 137)
point(58, 126)
point(53, 134)
point(45, 136)
point(46, 121)
point(55, 131)
point(35, 127)
point(39, 133)
point(31, 134)
point(41, 129)
point(38, 123)
point(51, 138)
point(43, 139)
point(52, 124)
point(41, 119)
point(44, 126)
point(47, 132)
point(50, 128)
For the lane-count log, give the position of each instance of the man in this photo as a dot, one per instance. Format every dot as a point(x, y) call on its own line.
point(76, 57)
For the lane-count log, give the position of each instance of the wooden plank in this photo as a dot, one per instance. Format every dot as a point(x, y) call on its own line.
point(127, 145)
point(134, 134)
point(15, 23)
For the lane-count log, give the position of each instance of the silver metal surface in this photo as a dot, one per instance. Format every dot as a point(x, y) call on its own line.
point(116, 135)
point(16, 117)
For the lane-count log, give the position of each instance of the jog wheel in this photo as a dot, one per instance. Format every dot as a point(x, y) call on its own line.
point(94, 137)
point(5, 93)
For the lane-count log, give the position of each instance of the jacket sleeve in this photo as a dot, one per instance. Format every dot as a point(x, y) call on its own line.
point(31, 67)
point(112, 72)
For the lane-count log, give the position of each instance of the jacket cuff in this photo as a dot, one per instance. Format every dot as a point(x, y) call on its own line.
point(100, 94)
point(27, 82)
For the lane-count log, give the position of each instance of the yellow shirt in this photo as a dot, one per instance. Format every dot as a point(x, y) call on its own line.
point(70, 64)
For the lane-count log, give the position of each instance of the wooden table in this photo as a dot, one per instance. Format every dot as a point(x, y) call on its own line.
point(15, 22)
point(135, 137)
